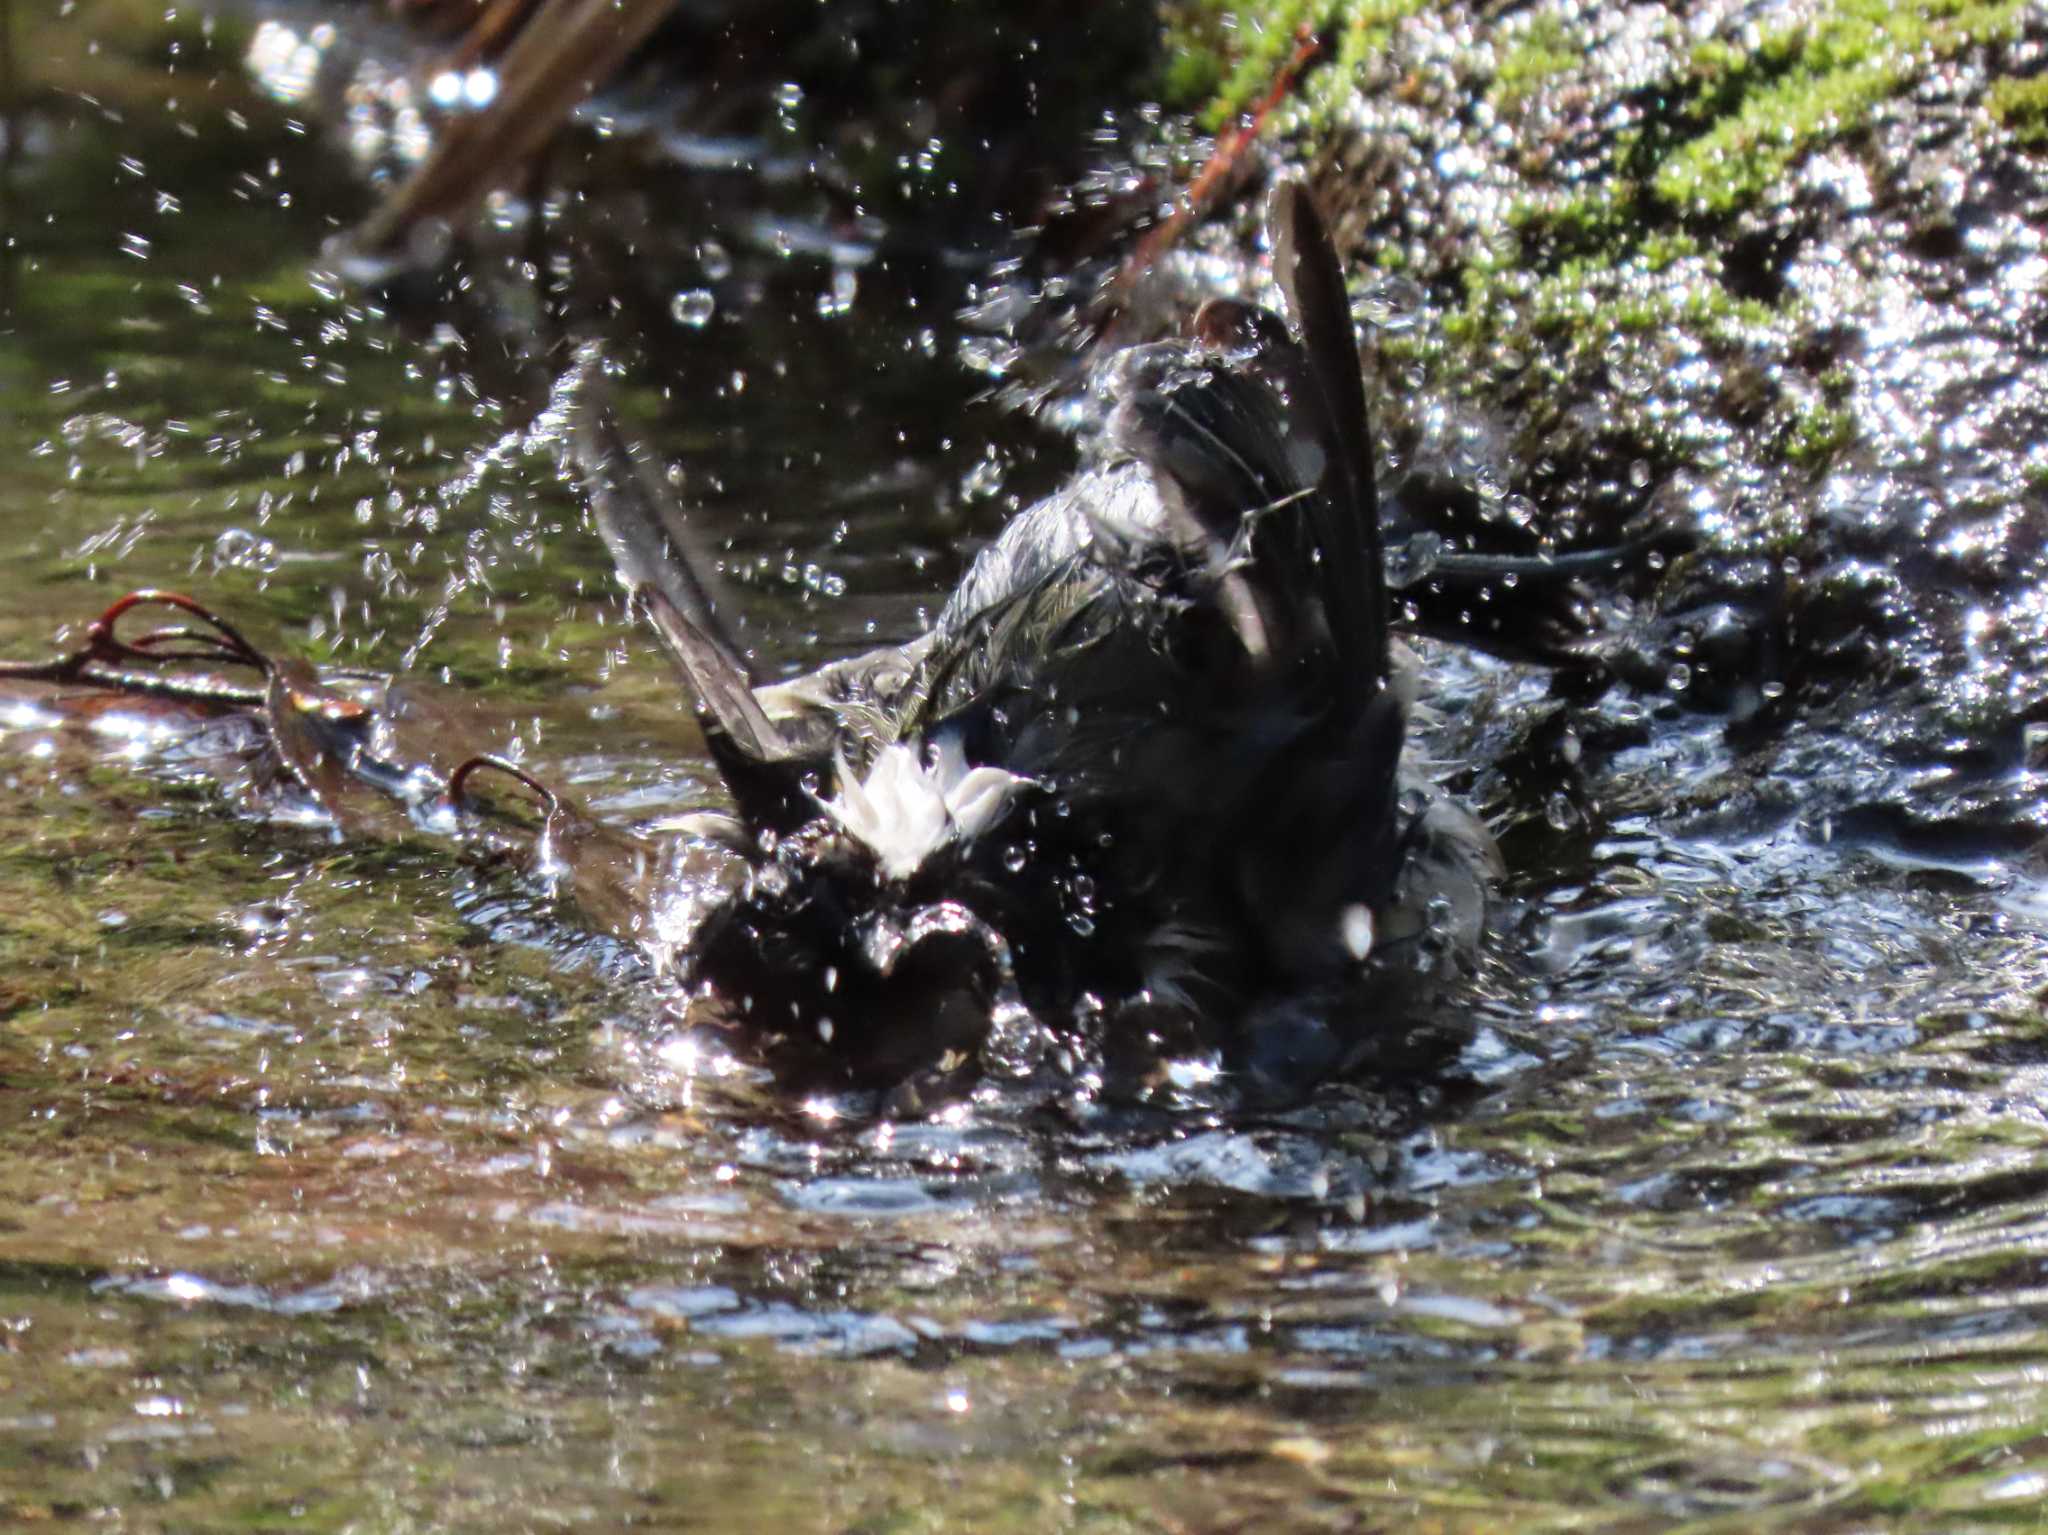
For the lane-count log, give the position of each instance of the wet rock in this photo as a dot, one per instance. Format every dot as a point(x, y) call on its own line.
point(1774, 271)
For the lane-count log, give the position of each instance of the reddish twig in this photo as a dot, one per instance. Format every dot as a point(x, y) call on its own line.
point(221, 640)
point(101, 661)
point(1230, 148)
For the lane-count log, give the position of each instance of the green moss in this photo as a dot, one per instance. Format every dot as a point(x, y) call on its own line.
point(1220, 56)
point(1367, 27)
point(1224, 55)
point(1715, 139)
point(1767, 106)
point(1819, 435)
point(1544, 49)
point(1615, 270)
point(2022, 106)
point(1743, 114)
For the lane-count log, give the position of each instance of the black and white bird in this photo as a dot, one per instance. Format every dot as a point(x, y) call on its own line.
point(1150, 763)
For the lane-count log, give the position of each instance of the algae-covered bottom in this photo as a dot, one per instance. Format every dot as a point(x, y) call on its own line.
point(342, 1187)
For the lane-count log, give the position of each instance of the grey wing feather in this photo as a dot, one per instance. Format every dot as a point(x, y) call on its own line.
point(651, 543)
point(724, 697)
point(663, 565)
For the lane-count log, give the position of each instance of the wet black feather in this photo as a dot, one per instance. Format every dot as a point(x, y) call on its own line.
point(1182, 659)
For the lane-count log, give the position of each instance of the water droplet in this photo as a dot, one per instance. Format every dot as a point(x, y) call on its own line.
point(1394, 303)
point(989, 354)
point(715, 260)
point(239, 549)
point(1015, 857)
point(693, 307)
point(1414, 560)
point(838, 299)
point(471, 90)
point(1440, 916)
point(1679, 678)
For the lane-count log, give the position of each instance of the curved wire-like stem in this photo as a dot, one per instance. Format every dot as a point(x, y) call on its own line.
point(106, 660)
point(458, 780)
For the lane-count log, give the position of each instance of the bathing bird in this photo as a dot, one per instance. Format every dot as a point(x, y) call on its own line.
point(1149, 767)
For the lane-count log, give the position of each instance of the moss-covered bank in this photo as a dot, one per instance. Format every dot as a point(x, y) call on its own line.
point(1774, 270)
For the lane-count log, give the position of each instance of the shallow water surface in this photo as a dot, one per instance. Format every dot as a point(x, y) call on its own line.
point(347, 1186)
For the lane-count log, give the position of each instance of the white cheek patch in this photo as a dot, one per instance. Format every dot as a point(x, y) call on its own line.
point(904, 811)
